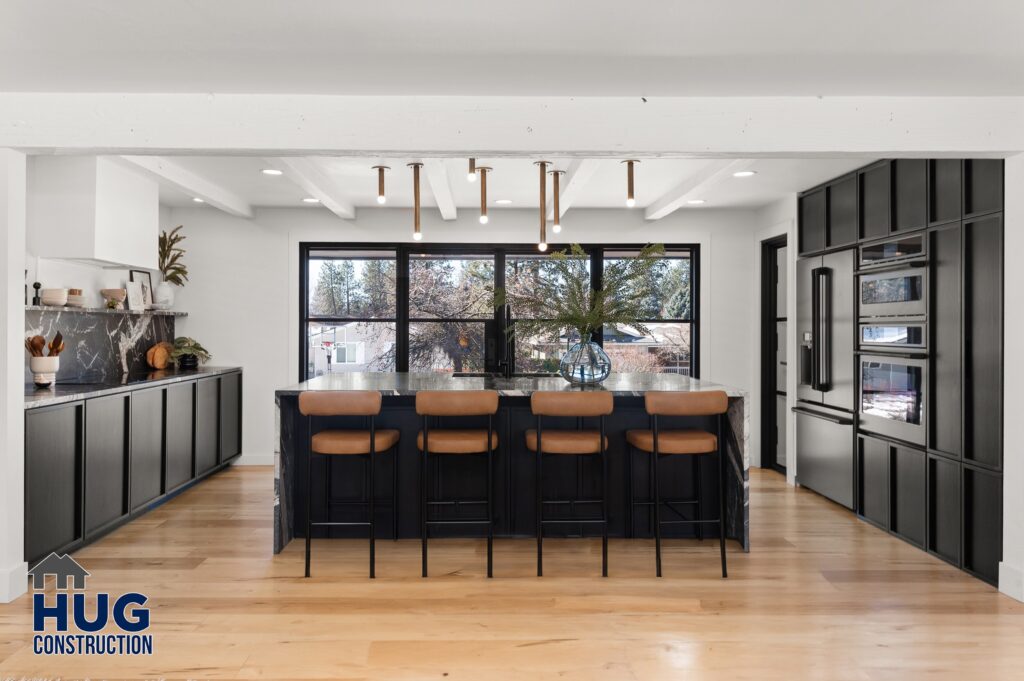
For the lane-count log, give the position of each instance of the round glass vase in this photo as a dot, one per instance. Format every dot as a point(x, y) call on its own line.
point(585, 363)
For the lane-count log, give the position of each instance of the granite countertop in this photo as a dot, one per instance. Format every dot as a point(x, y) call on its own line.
point(622, 385)
point(62, 392)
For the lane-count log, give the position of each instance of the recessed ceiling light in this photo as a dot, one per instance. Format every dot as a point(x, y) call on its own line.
point(695, 202)
point(271, 171)
point(503, 202)
point(197, 199)
point(310, 199)
point(744, 173)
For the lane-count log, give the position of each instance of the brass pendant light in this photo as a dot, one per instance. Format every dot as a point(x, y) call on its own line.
point(630, 198)
point(556, 222)
point(381, 197)
point(542, 243)
point(471, 175)
point(483, 170)
point(417, 233)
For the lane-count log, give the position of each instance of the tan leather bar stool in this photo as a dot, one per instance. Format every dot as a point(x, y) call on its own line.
point(578, 442)
point(460, 441)
point(688, 442)
point(333, 442)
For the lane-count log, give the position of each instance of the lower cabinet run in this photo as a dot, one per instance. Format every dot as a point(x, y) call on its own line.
point(92, 464)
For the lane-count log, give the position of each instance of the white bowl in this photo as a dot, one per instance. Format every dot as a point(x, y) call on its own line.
point(54, 296)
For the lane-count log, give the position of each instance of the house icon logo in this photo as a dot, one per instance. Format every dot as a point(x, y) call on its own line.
point(64, 568)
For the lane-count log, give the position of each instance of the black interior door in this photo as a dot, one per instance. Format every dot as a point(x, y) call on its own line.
point(774, 369)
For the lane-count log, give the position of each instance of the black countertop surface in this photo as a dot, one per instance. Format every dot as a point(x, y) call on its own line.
point(62, 392)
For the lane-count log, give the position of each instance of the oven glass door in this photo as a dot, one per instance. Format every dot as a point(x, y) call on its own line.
point(900, 293)
point(906, 248)
point(892, 398)
point(893, 334)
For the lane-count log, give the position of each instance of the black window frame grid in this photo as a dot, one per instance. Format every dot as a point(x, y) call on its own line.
point(494, 327)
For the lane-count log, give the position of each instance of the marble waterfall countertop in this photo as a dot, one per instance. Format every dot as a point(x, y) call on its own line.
point(397, 384)
point(62, 392)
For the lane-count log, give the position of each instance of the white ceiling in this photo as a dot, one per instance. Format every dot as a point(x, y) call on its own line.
point(511, 178)
point(526, 47)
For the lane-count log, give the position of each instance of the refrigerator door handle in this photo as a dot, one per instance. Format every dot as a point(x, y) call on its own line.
point(815, 329)
point(824, 417)
point(824, 277)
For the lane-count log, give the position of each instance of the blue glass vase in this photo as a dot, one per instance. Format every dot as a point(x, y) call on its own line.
point(585, 363)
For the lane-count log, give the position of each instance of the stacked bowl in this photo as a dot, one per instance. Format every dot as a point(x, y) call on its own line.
point(57, 297)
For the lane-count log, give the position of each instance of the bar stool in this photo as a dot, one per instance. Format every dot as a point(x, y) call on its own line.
point(688, 441)
point(578, 442)
point(453, 441)
point(334, 442)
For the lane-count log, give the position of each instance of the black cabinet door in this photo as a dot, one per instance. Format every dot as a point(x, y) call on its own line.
point(983, 186)
point(909, 505)
point(946, 395)
point(106, 460)
point(178, 467)
point(875, 206)
point(873, 477)
point(207, 416)
point(944, 508)
point(945, 190)
point(813, 221)
point(230, 416)
point(983, 317)
point(147, 446)
point(842, 212)
point(53, 470)
point(983, 522)
point(911, 193)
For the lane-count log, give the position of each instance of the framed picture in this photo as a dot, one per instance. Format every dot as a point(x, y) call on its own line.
point(136, 302)
point(144, 278)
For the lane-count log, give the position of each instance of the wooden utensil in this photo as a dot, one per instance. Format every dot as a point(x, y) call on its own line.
point(56, 345)
point(38, 343)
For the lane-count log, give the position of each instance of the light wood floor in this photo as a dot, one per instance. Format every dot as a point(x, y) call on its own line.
point(820, 596)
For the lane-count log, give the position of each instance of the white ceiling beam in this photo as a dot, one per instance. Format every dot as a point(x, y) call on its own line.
point(169, 172)
point(437, 176)
point(694, 186)
point(576, 176)
point(308, 175)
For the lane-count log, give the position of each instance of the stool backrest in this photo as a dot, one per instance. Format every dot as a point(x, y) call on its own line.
point(339, 403)
point(677, 403)
point(456, 402)
point(552, 403)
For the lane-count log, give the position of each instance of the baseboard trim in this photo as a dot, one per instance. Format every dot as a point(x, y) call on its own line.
point(1011, 581)
point(13, 582)
point(255, 460)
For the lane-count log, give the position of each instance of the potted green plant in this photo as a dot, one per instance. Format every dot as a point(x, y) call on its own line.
point(558, 300)
point(188, 353)
point(172, 268)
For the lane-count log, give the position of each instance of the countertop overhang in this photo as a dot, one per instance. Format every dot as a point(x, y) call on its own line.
point(63, 392)
point(407, 384)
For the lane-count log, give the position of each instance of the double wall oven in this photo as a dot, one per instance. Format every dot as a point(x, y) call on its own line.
point(892, 339)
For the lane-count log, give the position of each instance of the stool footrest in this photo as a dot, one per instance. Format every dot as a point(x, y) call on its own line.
point(340, 524)
point(589, 521)
point(690, 522)
point(458, 522)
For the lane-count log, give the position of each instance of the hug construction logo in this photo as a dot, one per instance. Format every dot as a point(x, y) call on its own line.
point(127, 613)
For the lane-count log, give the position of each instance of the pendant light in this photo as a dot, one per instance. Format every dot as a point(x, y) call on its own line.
point(417, 233)
point(471, 175)
point(381, 197)
point(542, 243)
point(556, 222)
point(630, 198)
point(483, 170)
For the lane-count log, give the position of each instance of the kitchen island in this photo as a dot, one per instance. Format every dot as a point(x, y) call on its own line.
point(337, 482)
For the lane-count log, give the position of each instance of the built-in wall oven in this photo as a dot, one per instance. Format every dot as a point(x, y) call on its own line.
point(892, 395)
point(892, 279)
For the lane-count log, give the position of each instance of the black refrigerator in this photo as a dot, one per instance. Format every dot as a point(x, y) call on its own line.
point(825, 409)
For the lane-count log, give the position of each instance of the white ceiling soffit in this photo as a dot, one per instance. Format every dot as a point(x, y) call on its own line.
point(307, 173)
point(577, 174)
point(187, 182)
point(694, 187)
point(450, 47)
point(437, 176)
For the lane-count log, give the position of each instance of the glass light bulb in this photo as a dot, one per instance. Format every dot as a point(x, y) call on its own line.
point(630, 203)
point(381, 199)
point(556, 228)
point(542, 246)
point(483, 219)
point(471, 177)
point(417, 236)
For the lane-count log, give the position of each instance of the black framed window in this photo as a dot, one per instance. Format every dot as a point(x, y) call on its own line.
point(376, 307)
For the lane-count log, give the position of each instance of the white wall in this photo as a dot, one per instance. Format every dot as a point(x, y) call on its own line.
point(12, 401)
point(1011, 570)
point(242, 297)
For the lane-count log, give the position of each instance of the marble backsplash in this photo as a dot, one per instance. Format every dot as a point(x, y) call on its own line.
point(99, 346)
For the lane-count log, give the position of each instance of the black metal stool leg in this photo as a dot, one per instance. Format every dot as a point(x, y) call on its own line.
point(490, 503)
point(309, 492)
point(696, 468)
point(373, 511)
point(721, 498)
point(423, 501)
point(394, 495)
point(604, 504)
point(629, 484)
point(540, 511)
point(657, 507)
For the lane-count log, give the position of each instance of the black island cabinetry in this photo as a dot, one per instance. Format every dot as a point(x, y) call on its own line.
point(98, 456)
point(934, 480)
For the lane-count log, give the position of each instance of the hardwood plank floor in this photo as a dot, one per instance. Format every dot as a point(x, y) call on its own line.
point(821, 595)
